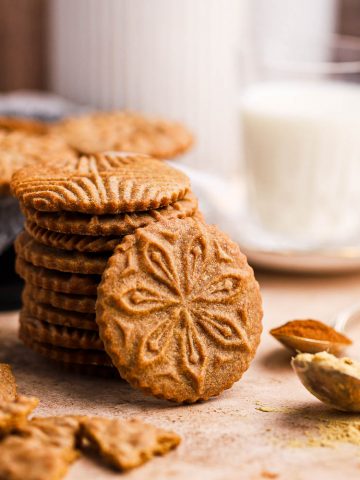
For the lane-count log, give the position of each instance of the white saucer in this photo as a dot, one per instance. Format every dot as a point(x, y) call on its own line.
point(271, 252)
point(342, 260)
point(222, 202)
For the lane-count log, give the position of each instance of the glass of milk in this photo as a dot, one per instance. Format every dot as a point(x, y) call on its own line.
point(301, 139)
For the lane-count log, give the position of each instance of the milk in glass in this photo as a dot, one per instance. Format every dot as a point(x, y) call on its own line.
point(302, 154)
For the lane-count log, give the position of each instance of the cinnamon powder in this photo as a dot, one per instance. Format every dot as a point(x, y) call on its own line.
point(312, 329)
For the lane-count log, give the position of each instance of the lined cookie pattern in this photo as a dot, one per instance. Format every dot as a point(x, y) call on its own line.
point(110, 182)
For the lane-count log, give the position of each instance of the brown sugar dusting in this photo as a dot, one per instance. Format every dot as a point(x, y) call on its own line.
point(313, 329)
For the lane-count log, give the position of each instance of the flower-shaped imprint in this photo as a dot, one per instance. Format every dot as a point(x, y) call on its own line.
point(179, 310)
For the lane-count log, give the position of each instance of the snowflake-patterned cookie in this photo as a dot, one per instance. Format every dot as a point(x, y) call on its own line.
point(179, 310)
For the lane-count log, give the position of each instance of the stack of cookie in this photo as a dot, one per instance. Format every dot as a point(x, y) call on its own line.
point(75, 216)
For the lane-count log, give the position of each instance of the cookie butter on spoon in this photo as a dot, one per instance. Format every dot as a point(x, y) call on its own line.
point(334, 381)
point(310, 336)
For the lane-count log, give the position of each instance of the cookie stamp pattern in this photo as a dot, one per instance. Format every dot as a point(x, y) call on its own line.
point(179, 310)
point(111, 182)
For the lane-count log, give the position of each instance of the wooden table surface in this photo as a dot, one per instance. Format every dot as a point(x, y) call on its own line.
point(258, 429)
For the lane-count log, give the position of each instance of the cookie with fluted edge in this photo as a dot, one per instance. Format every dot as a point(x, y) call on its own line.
point(179, 310)
point(41, 255)
point(58, 316)
point(106, 225)
point(127, 131)
point(58, 335)
point(111, 182)
point(66, 301)
point(19, 149)
point(78, 243)
point(63, 282)
point(66, 355)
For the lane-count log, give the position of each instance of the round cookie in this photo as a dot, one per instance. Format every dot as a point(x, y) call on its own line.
point(58, 335)
point(58, 316)
point(112, 182)
point(125, 131)
point(53, 259)
point(179, 310)
point(65, 301)
point(107, 225)
point(19, 149)
point(58, 281)
point(66, 355)
point(78, 243)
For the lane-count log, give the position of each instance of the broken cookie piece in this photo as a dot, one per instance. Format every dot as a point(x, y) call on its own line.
point(14, 414)
point(43, 449)
point(7, 384)
point(126, 444)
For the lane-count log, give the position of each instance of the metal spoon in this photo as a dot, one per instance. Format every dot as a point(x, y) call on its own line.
point(334, 381)
point(309, 345)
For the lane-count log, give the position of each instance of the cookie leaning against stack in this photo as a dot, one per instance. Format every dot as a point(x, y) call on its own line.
point(75, 216)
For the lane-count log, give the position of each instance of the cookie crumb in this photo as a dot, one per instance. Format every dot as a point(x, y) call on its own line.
point(7, 384)
point(126, 444)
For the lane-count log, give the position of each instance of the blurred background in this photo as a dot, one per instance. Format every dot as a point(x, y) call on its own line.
point(185, 60)
point(270, 89)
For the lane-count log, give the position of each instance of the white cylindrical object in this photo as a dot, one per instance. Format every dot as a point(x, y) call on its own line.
point(302, 151)
point(176, 59)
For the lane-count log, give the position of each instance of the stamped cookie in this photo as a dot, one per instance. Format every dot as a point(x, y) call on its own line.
point(126, 444)
point(106, 225)
point(179, 310)
point(58, 281)
point(53, 259)
point(58, 316)
point(112, 182)
point(77, 243)
point(58, 335)
point(66, 355)
point(19, 149)
point(77, 303)
point(125, 131)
